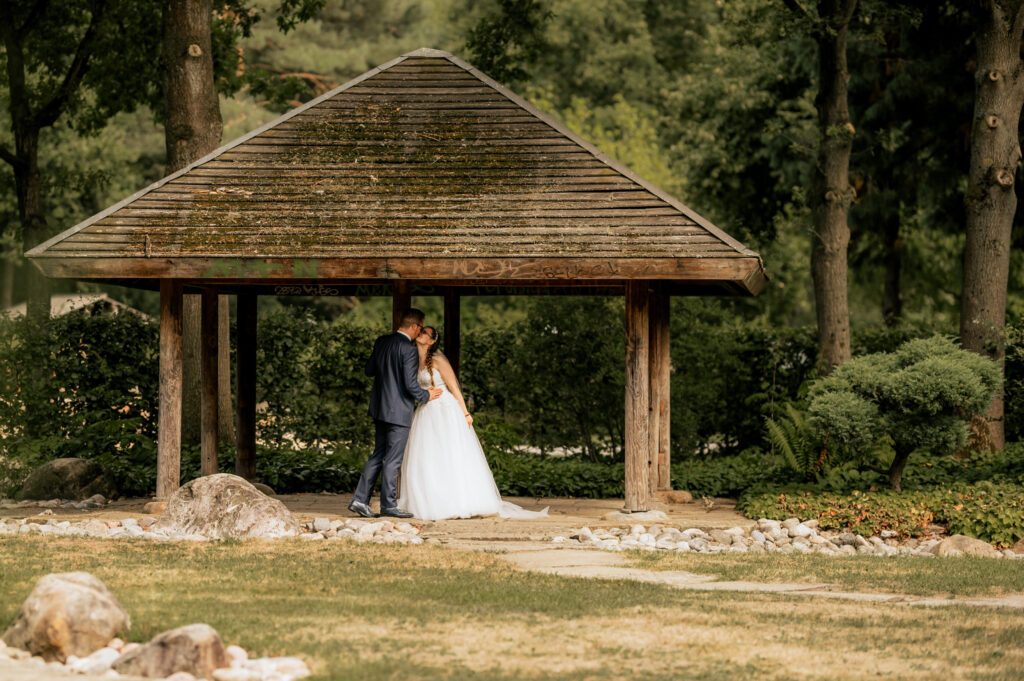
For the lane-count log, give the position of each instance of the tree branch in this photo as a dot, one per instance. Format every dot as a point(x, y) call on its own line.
point(52, 110)
point(848, 10)
point(797, 8)
point(1017, 26)
point(6, 155)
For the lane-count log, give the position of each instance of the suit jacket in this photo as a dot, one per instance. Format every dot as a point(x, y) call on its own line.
point(394, 364)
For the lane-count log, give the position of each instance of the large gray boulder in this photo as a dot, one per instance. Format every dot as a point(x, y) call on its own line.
point(72, 613)
point(68, 479)
point(225, 506)
point(959, 544)
point(196, 649)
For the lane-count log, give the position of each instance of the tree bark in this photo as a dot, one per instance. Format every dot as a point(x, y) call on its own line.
point(899, 462)
point(193, 125)
point(192, 129)
point(831, 192)
point(990, 200)
point(28, 185)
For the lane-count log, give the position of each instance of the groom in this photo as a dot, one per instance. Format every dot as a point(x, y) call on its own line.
point(394, 365)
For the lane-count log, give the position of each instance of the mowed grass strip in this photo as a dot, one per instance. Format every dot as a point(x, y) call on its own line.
point(398, 612)
point(912, 575)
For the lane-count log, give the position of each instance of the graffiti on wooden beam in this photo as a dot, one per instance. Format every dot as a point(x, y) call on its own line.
point(306, 290)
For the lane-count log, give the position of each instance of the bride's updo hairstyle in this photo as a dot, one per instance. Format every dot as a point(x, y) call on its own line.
point(431, 351)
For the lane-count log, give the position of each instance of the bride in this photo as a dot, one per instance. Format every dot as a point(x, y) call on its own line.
point(444, 472)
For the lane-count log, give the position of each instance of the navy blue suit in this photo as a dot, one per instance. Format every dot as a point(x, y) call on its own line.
point(394, 365)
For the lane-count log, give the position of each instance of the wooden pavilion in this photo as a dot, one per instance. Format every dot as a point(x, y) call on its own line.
point(422, 174)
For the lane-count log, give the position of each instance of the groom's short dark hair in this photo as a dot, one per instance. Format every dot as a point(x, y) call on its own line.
point(412, 316)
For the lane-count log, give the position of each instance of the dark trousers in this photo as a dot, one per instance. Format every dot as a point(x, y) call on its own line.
point(386, 460)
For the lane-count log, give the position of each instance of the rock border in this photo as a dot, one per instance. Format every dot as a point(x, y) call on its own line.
point(771, 536)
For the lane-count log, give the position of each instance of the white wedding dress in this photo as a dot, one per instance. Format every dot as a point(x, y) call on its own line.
point(445, 473)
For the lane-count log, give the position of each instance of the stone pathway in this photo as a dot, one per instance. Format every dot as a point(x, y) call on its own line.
point(594, 563)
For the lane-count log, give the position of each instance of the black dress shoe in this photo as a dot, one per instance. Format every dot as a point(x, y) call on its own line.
point(362, 509)
point(396, 512)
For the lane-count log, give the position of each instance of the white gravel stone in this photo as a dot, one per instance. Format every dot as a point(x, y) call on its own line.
point(789, 523)
point(97, 663)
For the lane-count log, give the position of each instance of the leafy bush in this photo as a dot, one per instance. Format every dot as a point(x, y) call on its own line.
point(312, 382)
point(557, 376)
point(922, 396)
point(989, 511)
point(84, 386)
point(728, 476)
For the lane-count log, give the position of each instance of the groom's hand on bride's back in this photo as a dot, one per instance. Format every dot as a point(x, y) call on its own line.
point(435, 393)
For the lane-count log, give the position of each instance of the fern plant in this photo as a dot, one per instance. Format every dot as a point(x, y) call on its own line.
point(792, 436)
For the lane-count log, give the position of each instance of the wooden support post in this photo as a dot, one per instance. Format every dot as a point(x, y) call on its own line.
point(401, 300)
point(661, 374)
point(168, 450)
point(638, 392)
point(452, 339)
point(654, 413)
point(245, 399)
point(225, 412)
point(208, 393)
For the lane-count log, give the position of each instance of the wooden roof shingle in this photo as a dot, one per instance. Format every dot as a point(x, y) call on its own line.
point(421, 168)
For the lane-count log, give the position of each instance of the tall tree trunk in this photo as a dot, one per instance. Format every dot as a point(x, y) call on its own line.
point(892, 300)
point(831, 192)
point(991, 201)
point(28, 186)
point(192, 129)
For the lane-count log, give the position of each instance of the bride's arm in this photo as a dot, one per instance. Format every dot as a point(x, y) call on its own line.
point(448, 375)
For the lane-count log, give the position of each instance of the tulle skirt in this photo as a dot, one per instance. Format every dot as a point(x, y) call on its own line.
point(445, 473)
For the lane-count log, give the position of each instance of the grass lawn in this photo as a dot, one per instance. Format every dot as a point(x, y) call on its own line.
point(960, 576)
point(378, 612)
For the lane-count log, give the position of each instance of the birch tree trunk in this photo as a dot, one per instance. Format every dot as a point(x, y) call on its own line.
point(192, 129)
point(990, 200)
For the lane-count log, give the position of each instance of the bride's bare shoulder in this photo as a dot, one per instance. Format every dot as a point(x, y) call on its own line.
point(441, 361)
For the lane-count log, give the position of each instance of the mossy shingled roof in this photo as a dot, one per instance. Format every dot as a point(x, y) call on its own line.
point(423, 157)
